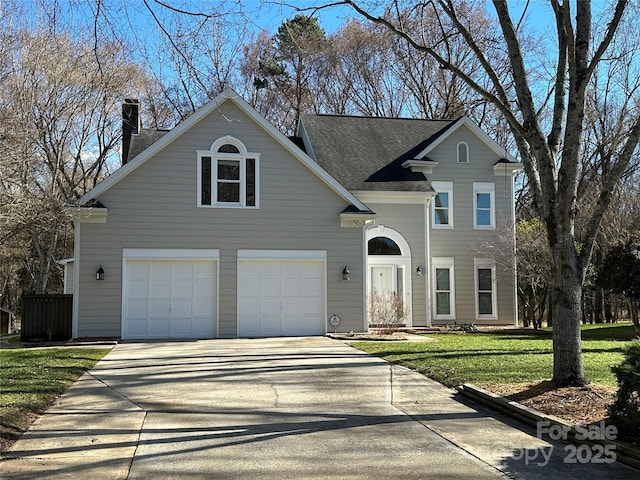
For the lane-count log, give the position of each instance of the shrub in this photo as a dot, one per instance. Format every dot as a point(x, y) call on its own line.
point(387, 312)
point(625, 411)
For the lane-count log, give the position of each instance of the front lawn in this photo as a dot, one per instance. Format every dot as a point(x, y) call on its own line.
point(492, 358)
point(31, 379)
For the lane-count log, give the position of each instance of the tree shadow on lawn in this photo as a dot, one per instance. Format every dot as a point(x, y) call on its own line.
point(453, 354)
point(613, 333)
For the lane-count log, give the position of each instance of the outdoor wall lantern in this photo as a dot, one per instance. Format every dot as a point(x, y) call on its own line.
point(419, 270)
point(346, 274)
point(100, 273)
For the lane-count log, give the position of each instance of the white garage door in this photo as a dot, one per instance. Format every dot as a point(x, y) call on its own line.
point(281, 298)
point(170, 299)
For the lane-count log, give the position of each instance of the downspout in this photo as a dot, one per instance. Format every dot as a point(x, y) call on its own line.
point(427, 250)
point(76, 279)
point(365, 275)
point(516, 320)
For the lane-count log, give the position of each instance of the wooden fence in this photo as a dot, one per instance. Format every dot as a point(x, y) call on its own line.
point(46, 317)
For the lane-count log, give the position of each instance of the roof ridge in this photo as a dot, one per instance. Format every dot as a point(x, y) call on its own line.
point(380, 118)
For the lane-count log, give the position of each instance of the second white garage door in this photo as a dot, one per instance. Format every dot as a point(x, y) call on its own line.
point(281, 298)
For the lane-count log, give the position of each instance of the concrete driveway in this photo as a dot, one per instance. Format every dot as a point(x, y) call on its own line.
point(272, 408)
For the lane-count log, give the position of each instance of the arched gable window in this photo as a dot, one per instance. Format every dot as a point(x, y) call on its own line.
point(382, 246)
point(463, 152)
point(228, 148)
point(228, 175)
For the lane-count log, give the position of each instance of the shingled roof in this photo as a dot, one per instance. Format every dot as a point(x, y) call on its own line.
point(366, 153)
point(145, 138)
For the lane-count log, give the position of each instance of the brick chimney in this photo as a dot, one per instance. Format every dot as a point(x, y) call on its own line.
point(131, 124)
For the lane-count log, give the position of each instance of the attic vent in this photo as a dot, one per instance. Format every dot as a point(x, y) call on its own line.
point(463, 153)
point(228, 148)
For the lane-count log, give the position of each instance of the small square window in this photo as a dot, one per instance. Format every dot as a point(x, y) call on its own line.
point(228, 192)
point(228, 170)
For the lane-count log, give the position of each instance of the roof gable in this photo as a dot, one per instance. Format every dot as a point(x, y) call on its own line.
point(174, 134)
point(455, 126)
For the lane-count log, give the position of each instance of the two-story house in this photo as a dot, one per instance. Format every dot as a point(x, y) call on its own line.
point(224, 227)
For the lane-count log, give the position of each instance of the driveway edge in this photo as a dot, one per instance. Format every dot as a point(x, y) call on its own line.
point(625, 452)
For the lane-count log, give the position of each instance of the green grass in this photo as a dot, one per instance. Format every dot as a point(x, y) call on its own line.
point(31, 379)
point(486, 358)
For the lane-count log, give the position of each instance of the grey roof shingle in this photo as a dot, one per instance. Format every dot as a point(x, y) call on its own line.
point(366, 153)
point(144, 139)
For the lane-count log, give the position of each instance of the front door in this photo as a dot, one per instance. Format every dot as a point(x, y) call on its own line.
point(386, 297)
point(388, 280)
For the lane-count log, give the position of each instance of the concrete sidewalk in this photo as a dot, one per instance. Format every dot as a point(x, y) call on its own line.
point(275, 408)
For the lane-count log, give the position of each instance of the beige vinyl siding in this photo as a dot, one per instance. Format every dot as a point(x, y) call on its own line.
point(408, 221)
point(463, 242)
point(155, 207)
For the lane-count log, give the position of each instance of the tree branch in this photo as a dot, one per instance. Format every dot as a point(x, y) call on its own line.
point(612, 28)
point(559, 105)
point(608, 189)
point(501, 103)
point(531, 131)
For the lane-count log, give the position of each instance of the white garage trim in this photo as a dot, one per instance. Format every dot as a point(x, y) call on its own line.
point(171, 254)
point(281, 292)
point(173, 257)
point(282, 254)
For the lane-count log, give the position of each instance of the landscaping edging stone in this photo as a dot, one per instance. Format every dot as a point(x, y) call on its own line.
point(625, 452)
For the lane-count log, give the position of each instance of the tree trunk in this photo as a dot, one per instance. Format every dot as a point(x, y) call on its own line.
point(598, 302)
point(633, 312)
point(566, 310)
point(608, 312)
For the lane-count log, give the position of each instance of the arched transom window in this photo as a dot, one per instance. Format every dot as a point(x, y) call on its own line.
point(228, 175)
point(382, 246)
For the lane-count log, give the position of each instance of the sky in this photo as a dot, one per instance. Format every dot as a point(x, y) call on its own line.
point(257, 14)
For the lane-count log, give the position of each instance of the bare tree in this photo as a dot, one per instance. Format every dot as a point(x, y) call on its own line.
point(548, 127)
point(360, 71)
point(61, 137)
point(192, 55)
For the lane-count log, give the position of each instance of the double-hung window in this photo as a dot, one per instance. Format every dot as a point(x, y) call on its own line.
point(442, 205)
point(484, 216)
point(227, 175)
point(486, 285)
point(443, 288)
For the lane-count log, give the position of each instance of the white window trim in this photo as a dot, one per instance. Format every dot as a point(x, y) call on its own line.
point(444, 262)
point(464, 160)
point(486, 263)
point(215, 157)
point(487, 188)
point(442, 187)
